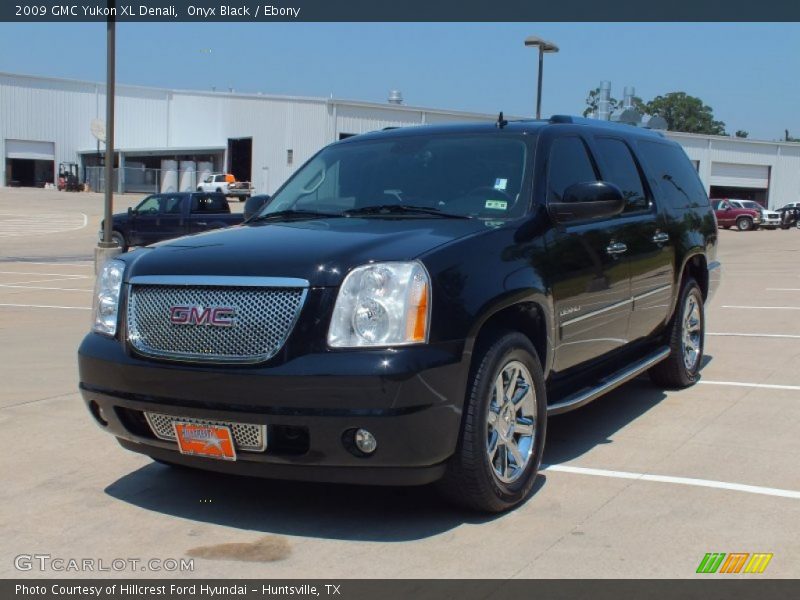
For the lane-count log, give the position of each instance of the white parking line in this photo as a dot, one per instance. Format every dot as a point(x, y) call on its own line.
point(48, 280)
point(766, 386)
point(762, 307)
point(722, 485)
point(16, 225)
point(73, 275)
point(37, 287)
point(764, 335)
point(46, 306)
point(86, 264)
point(783, 289)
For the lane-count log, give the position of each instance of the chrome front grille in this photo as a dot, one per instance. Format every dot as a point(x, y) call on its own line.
point(178, 321)
point(247, 437)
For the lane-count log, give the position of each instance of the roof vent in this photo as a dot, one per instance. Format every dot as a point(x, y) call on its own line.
point(395, 97)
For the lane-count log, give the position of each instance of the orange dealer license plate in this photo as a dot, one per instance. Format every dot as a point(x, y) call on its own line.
point(211, 441)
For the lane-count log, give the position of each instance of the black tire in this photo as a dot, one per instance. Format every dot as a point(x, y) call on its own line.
point(673, 372)
point(471, 479)
point(744, 223)
point(199, 189)
point(219, 190)
point(119, 238)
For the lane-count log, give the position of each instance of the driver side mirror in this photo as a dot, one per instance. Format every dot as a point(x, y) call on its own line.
point(131, 212)
point(589, 200)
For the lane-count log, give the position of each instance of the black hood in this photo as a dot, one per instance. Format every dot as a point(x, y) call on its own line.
point(321, 251)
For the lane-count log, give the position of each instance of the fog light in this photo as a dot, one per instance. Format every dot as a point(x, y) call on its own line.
point(365, 441)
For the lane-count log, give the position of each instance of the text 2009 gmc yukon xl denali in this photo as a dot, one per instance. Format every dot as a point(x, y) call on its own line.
point(410, 307)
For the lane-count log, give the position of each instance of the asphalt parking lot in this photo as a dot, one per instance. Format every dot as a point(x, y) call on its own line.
point(641, 483)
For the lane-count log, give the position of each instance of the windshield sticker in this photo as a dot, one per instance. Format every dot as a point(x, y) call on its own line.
point(500, 184)
point(497, 204)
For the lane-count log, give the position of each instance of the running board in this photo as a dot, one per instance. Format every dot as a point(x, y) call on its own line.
point(607, 384)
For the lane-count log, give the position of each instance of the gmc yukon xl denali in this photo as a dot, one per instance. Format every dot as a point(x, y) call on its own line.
point(410, 307)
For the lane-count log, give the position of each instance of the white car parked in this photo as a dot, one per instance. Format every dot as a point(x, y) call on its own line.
point(769, 218)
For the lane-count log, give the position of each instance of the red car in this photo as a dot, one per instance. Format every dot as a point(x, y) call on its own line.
point(744, 219)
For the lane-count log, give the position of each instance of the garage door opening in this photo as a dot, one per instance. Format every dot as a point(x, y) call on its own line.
point(719, 192)
point(29, 163)
point(26, 172)
point(240, 158)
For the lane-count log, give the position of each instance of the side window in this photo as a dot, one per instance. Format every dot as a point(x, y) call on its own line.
point(151, 204)
point(172, 205)
point(568, 163)
point(674, 175)
point(620, 170)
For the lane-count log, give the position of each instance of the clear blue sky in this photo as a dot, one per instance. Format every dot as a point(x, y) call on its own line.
point(749, 73)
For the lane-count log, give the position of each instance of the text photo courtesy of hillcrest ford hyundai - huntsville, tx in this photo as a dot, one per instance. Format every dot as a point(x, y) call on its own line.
point(352, 315)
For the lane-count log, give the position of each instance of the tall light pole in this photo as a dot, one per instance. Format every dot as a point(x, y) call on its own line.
point(107, 248)
point(543, 46)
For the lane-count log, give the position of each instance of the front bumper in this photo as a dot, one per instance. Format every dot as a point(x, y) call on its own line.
point(409, 398)
point(770, 221)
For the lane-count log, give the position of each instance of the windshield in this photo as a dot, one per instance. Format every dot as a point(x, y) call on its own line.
point(751, 204)
point(479, 176)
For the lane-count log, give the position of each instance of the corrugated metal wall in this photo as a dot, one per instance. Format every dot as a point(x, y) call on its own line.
point(744, 163)
point(60, 111)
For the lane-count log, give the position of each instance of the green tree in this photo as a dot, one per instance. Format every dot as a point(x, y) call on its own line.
point(685, 113)
point(593, 103)
point(740, 133)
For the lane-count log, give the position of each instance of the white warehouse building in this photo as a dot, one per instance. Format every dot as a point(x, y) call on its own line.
point(171, 138)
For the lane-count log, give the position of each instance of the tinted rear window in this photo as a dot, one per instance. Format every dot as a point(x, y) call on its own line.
point(210, 203)
point(620, 170)
point(669, 170)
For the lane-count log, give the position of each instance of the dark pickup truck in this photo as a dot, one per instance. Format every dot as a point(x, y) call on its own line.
point(411, 306)
point(165, 216)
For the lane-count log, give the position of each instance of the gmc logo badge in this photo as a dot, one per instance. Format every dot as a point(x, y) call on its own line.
point(215, 316)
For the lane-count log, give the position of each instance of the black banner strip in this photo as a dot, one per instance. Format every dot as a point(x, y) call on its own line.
point(739, 587)
point(265, 11)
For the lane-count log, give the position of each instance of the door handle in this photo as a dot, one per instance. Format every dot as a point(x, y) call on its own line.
point(615, 248)
point(661, 237)
point(201, 223)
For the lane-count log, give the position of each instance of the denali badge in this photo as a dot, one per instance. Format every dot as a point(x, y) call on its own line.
point(216, 316)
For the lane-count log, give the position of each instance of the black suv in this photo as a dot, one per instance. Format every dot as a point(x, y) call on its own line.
point(410, 307)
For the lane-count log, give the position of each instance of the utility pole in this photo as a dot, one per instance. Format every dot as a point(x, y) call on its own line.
point(107, 248)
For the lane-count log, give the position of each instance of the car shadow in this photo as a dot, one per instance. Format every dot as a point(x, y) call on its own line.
point(573, 434)
point(361, 513)
point(329, 511)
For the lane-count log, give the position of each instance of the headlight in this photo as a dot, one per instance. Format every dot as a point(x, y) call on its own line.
point(384, 304)
point(106, 297)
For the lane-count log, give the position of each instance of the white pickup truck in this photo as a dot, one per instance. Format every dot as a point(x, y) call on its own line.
point(226, 184)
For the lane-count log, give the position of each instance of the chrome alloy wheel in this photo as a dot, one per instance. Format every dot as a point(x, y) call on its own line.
point(511, 422)
point(691, 332)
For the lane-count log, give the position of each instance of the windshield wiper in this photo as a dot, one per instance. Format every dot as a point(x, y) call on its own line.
point(394, 209)
point(303, 214)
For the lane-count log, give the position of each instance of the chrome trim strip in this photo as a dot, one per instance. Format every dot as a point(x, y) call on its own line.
point(219, 280)
point(658, 290)
point(597, 312)
point(606, 385)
